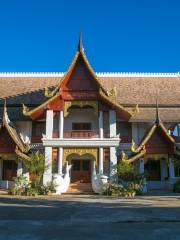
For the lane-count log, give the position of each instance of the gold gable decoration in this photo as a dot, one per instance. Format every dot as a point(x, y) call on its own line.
point(25, 110)
point(112, 92)
point(135, 111)
point(48, 93)
point(80, 152)
point(134, 146)
point(81, 104)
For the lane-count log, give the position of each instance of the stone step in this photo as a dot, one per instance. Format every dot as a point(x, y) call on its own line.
point(80, 188)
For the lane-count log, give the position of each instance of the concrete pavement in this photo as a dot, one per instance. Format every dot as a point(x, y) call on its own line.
point(90, 217)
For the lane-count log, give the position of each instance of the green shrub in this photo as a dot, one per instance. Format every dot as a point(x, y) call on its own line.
point(33, 188)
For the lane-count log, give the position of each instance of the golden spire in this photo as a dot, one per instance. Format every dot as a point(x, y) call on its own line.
point(80, 44)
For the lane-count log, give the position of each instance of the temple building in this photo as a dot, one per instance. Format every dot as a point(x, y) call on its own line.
point(88, 119)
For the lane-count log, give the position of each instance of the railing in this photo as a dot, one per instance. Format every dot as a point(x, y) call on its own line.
point(81, 134)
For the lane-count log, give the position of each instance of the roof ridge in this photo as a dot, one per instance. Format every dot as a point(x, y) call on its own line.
point(99, 74)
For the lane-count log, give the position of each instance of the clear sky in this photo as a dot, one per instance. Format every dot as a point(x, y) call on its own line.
point(118, 35)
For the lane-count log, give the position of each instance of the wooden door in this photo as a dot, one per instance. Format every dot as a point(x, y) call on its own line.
point(81, 171)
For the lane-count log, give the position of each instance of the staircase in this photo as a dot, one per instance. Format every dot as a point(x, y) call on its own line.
point(80, 188)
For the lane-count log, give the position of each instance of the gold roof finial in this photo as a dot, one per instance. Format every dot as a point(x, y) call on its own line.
point(80, 44)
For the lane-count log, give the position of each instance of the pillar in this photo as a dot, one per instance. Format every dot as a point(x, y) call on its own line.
point(171, 168)
point(60, 160)
point(47, 177)
point(113, 164)
point(112, 123)
point(141, 165)
point(49, 123)
point(101, 156)
point(19, 168)
point(61, 124)
point(101, 124)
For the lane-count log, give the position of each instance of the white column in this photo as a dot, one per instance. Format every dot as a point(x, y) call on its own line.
point(101, 156)
point(141, 165)
point(61, 124)
point(47, 177)
point(113, 163)
point(101, 124)
point(171, 168)
point(112, 123)
point(19, 168)
point(49, 123)
point(60, 160)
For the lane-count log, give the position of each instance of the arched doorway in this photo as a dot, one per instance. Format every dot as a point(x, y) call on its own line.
point(82, 167)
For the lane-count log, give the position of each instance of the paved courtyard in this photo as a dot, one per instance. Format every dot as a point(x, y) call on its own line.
point(90, 217)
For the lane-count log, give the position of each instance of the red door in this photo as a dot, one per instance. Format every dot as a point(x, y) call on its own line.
point(81, 171)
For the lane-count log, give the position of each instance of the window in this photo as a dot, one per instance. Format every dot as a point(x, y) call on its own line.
point(81, 126)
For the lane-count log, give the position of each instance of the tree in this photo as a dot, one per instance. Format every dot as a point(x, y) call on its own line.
point(35, 165)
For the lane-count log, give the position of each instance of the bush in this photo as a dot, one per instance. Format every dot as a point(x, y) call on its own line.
point(33, 188)
point(176, 187)
point(130, 178)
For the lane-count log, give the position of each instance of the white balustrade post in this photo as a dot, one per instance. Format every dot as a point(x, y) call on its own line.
point(60, 160)
point(112, 123)
point(113, 164)
point(101, 156)
point(101, 124)
point(47, 177)
point(61, 124)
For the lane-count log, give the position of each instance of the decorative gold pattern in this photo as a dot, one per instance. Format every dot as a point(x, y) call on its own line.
point(80, 152)
point(68, 104)
point(112, 92)
point(134, 146)
point(25, 110)
point(135, 111)
point(155, 156)
point(49, 93)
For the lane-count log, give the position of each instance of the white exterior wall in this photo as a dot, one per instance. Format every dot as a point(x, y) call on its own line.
point(81, 116)
point(25, 130)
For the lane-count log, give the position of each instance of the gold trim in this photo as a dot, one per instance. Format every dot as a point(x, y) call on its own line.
point(25, 110)
point(112, 92)
point(156, 156)
point(80, 152)
point(81, 104)
point(28, 112)
point(8, 156)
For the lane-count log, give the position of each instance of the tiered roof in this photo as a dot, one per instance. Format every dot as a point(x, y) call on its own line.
point(129, 89)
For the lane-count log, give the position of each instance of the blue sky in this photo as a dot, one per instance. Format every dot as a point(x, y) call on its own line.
point(127, 36)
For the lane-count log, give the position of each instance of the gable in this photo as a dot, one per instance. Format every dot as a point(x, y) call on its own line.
point(7, 144)
point(81, 78)
point(158, 143)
